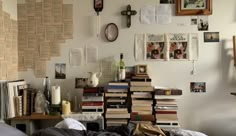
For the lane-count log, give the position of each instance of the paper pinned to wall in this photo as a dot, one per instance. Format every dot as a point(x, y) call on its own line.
point(91, 54)
point(139, 47)
point(163, 14)
point(148, 14)
point(76, 57)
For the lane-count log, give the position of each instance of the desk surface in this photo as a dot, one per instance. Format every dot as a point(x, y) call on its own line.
point(37, 117)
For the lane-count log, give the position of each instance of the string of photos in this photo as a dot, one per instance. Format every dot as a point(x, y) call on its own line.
point(173, 46)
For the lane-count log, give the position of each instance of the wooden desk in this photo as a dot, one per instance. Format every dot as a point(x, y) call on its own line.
point(29, 124)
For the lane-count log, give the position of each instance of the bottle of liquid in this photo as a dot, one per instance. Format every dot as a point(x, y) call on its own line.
point(121, 68)
point(47, 91)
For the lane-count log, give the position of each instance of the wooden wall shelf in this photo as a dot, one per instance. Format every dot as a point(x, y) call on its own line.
point(37, 117)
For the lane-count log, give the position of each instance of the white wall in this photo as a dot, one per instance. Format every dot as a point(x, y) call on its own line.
point(212, 112)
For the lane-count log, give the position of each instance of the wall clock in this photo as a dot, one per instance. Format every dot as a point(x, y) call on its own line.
point(111, 32)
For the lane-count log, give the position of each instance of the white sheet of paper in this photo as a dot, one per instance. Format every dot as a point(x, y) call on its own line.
point(147, 14)
point(163, 14)
point(76, 57)
point(139, 47)
point(91, 54)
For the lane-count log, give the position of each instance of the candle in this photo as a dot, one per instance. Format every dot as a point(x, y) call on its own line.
point(66, 107)
point(56, 95)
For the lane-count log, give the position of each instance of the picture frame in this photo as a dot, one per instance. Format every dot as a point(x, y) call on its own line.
point(193, 7)
point(211, 37)
point(141, 70)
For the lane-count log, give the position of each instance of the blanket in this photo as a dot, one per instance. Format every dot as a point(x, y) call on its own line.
point(70, 132)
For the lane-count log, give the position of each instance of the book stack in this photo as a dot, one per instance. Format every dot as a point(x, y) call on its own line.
point(92, 101)
point(166, 107)
point(141, 98)
point(116, 96)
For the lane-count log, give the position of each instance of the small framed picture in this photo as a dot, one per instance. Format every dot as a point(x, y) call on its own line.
point(81, 82)
point(211, 37)
point(141, 70)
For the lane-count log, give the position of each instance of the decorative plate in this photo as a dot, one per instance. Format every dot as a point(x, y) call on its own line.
point(111, 32)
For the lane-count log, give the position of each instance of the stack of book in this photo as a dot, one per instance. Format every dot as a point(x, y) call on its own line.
point(116, 96)
point(92, 100)
point(166, 107)
point(141, 98)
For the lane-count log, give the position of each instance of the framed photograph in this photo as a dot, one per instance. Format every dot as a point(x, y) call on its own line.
point(193, 7)
point(211, 37)
point(141, 70)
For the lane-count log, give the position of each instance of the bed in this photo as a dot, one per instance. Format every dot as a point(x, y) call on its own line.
point(140, 129)
point(6, 130)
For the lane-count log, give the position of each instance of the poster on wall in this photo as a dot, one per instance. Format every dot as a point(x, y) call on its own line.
point(197, 87)
point(155, 47)
point(178, 46)
point(60, 71)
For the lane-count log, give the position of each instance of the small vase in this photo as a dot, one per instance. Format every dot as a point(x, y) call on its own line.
point(93, 80)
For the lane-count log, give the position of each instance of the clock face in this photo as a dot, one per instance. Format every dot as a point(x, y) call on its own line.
point(111, 32)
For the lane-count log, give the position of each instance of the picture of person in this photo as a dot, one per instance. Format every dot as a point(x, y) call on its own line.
point(202, 23)
point(178, 50)
point(155, 50)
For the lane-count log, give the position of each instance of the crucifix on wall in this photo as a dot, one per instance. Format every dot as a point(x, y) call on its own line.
point(128, 12)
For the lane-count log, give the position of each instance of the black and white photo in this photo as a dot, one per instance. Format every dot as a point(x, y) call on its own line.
point(203, 23)
point(60, 71)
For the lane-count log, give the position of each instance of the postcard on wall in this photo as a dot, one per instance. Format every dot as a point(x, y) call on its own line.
point(154, 47)
point(198, 87)
point(60, 71)
point(178, 46)
point(76, 57)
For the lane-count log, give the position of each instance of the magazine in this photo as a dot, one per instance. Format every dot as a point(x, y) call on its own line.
point(178, 46)
point(155, 47)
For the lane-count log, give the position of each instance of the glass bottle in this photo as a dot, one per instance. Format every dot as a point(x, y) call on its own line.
point(121, 68)
point(47, 91)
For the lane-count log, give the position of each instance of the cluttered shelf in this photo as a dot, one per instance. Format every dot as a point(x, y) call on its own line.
point(38, 117)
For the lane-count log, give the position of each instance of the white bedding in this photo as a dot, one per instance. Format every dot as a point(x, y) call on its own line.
point(6, 130)
point(183, 132)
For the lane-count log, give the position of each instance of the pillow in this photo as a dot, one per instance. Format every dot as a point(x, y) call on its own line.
point(70, 123)
point(7, 130)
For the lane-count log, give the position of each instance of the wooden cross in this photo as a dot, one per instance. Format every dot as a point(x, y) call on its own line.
point(128, 12)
